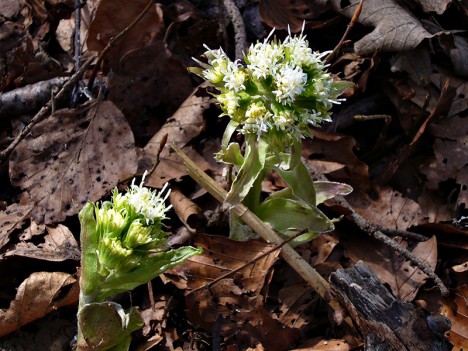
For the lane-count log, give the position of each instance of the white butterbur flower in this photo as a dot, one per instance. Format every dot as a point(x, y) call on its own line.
point(149, 204)
point(229, 101)
point(235, 78)
point(281, 90)
point(290, 82)
point(264, 58)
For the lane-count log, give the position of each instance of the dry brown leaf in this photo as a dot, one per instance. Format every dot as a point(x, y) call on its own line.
point(58, 245)
point(456, 310)
point(186, 123)
point(12, 218)
point(327, 151)
point(148, 87)
point(72, 157)
point(451, 155)
point(282, 14)
point(238, 298)
point(404, 279)
point(391, 209)
point(188, 212)
point(113, 16)
point(438, 6)
point(329, 345)
point(41, 293)
point(396, 29)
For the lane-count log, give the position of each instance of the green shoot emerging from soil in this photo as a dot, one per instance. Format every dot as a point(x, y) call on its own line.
point(123, 245)
point(273, 99)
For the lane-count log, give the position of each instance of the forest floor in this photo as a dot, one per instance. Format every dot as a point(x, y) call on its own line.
point(400, 139)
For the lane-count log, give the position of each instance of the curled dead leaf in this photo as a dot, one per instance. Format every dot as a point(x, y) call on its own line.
point(41, 293)
point(457, 312)
point(58, 244)
point(12, 218)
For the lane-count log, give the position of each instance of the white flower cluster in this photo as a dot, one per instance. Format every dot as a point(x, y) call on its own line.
point(282, 88)
point(147, 203)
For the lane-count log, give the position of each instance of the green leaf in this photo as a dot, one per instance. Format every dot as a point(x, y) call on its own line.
point(254, 163)
point(300, 182)
point(289, 216)
point(328, 190)
point(230, 129)
point(231, 154)
point(106, 326)
point(149, 269)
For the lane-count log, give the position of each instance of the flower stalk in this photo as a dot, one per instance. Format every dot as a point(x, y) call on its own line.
point(282, 89)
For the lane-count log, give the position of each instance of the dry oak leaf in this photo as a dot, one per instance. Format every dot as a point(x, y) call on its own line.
point(184, 125)
point(283, 14)
point(12, 218)
point(456, 309)
point(39, 294)
point(438, 6)
point(71, 157)
point(451, 156)
point(113, 16)
point(391, 209)
point(237, 299)
point(390, 267)
point(396, 29)
point(58, 244)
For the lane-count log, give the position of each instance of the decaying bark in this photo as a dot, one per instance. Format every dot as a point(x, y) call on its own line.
point(386, 323)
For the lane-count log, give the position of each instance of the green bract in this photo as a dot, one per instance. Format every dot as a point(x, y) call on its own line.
point(273, 99)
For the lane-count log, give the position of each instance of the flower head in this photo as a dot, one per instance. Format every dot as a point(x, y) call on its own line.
point(129, 226)
point(282, 88)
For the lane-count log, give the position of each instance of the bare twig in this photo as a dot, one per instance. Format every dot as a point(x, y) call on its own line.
point(351, 24)
point(403, 234)
point(46, 109)
point(304, 269)
point(112, 42)
point(376, 232)
point(239, 28)
point(77, 48)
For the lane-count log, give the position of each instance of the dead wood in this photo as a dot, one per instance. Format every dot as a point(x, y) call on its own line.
point(29, 98)
point(386, 322)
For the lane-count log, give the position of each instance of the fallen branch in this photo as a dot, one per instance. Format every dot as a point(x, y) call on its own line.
point(28, 98)
point(351, 24)
point(240, 37)
point(385, 322)
point(44, 111)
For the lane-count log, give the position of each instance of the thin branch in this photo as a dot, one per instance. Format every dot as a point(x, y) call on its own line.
point(112, 42)
point(45, 110)
point(351, 24)
point(376, 232)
